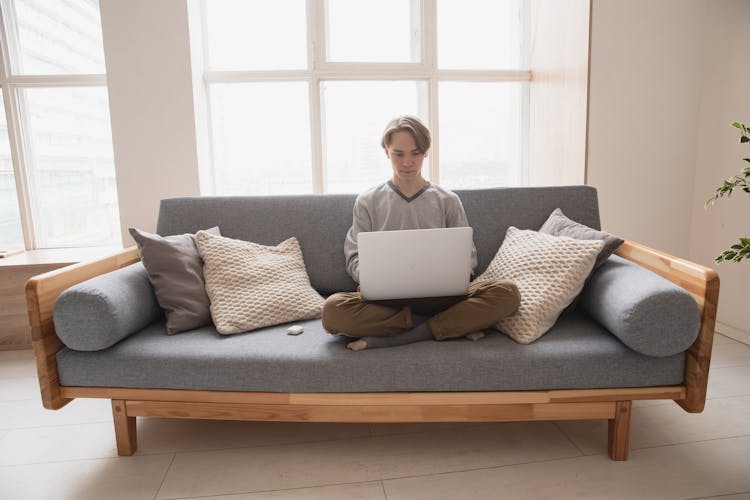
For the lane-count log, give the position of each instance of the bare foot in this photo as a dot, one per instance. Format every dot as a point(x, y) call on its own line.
point(475, 336)
point(357, 345)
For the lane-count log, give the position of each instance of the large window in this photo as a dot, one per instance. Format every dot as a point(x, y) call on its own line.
point(59, 189)
point(299, 91)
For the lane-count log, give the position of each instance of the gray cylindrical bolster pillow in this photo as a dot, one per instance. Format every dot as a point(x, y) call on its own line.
point(648, 313)
point(99, 312)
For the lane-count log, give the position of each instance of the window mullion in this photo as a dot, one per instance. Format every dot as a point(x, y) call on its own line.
point(20, 152)
point(11, 51)
point(315, 56)
point(317, 33)
point(21, 173)
point(316, 123)
point(526, 91)
point(429, 54)
point(48, 81)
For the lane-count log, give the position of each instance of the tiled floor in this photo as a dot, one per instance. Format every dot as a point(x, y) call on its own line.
point(70, 454)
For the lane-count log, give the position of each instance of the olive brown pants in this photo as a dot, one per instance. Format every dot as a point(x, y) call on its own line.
point(487, 302)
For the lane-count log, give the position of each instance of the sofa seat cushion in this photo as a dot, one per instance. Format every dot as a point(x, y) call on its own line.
point(576, 353)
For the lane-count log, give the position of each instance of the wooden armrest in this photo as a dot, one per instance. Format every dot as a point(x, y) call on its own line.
point(703, 284)
point(41, 293)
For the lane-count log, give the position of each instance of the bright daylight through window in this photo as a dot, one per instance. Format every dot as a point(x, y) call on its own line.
point(299, 91)
point(60, 186)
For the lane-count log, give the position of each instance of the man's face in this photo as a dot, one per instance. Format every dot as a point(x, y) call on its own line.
point(406, 159)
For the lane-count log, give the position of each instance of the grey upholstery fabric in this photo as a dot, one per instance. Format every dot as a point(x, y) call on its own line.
point(576, 353)
point(320, 222)
point(648, 313)
point(175, 270)
point(97, 313)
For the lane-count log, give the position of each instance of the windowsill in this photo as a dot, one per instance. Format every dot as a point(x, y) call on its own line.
point(58, 255)
point(4, 254)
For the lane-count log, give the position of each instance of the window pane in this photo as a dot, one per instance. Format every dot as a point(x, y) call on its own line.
point(479, 34)
point(256, 34)
point(480, 134)
point(367, 31)
point(11, 236)
point(355, 114)
point(261, 138)
point(71, 160)
point(59, 37)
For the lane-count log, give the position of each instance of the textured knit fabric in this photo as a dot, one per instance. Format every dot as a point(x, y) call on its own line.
point(648, 313)
point(252, 286)
point(549, 272)
point(100, 312)
point(385, 208)
point(576, 354)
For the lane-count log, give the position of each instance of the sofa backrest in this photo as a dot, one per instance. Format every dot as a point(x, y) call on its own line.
point(320, 222)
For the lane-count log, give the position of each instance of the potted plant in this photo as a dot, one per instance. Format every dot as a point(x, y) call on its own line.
point(741, 180)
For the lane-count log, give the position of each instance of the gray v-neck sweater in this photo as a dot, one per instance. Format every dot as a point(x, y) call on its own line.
point(385, 208)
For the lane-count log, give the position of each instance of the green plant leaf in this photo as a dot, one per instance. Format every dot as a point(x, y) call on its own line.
point(741, 250)
point(736, 252)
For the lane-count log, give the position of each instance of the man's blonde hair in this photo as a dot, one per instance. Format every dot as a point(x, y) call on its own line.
point(413, 126)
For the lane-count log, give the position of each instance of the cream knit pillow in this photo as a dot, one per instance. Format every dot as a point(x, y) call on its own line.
point(549, 272)
point(251, 286)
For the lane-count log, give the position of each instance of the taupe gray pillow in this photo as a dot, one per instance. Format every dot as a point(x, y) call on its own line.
point(175, 270)
point(559, 225)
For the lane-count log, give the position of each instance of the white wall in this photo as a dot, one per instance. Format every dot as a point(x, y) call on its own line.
point(667, 79)
point(644, 86)
point(150, 82)
point(725, 98)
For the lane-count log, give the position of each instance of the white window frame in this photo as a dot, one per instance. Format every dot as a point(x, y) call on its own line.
point(320, 70)
point(16, 113)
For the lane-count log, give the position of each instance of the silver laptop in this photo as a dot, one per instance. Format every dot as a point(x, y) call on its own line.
point(415, 263)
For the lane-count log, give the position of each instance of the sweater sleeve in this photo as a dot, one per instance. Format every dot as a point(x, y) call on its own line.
point(361, 222)
point(456, 217)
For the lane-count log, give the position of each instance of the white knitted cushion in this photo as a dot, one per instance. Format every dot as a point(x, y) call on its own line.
point(251, 286)
point(549, 272)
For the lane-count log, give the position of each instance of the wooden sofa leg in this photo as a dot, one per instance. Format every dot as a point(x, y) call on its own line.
point(125, 429)
point(619, 431)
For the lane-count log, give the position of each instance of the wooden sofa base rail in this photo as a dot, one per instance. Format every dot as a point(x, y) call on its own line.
point(376, 407)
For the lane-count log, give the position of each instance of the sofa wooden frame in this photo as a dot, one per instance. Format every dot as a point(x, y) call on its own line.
point(579, 404)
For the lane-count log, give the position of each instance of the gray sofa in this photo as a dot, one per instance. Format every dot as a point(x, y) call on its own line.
point(642, 330)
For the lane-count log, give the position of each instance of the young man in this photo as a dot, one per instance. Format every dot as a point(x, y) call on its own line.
point(408, 201)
